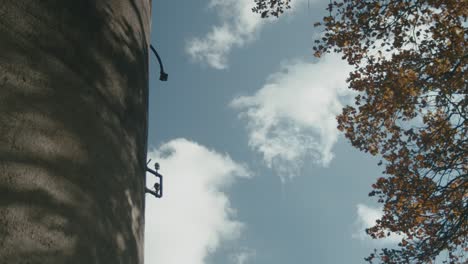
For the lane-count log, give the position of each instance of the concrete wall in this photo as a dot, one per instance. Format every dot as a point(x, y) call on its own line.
point(73, 130)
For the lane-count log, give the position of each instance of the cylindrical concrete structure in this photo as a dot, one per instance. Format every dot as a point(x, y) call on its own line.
point(73, 130)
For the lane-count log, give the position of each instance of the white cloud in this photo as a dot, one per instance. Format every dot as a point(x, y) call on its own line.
point(367, 217)
point(238, 26)
point(243, 257)
point(194, 216)
point(291, 119)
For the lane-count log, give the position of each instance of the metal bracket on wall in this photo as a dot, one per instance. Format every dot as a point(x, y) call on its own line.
point(158, 186)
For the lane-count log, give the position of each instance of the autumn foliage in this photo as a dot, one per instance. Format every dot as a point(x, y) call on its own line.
point(271, 7)
point(410, 60)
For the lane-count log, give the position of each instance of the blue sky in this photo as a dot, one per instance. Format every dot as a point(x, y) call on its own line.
point(244, 130)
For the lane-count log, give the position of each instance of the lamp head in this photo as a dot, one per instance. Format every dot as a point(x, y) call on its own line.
point(163, 76)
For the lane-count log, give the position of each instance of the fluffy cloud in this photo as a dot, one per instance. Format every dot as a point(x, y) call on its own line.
point(238, 26)
point(367, 217)
point(195, 214)
point(243, 257)
point(292, 117)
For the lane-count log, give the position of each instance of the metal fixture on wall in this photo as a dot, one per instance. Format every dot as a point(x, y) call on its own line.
point(158, 186)
point(163, 76)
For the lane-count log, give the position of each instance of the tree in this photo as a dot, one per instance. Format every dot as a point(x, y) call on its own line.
point(410, 60)
point(73, 129)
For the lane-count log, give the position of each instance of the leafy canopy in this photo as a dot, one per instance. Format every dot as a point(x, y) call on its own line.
point(410, 60)
point(271, 7)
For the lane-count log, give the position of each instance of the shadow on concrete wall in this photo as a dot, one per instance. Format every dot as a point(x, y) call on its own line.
point(73, 129)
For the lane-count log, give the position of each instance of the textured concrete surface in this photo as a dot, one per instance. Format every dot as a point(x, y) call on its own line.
point(73, 122)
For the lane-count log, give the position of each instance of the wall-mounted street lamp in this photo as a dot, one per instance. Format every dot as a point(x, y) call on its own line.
point(162, 75)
